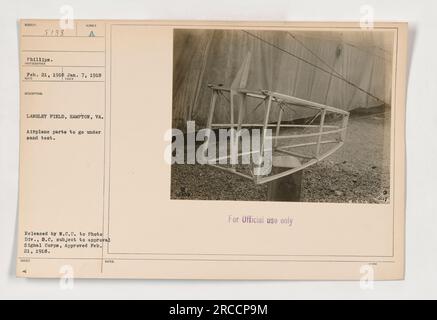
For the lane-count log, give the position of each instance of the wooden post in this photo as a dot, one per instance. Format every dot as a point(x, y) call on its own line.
point(209, 123)
point(265, 125)
point(344, 126)
point(289, 187)
point(319, 139)
point(264, 133)
point(278, 126)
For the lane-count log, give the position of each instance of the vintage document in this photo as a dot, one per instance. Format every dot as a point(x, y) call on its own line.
point(212, 150)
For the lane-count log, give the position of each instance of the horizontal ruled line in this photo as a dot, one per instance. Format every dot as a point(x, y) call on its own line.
point(41, 65)
point(70, 51)
point(215, 260)
point(43, 36)
point(64, 81)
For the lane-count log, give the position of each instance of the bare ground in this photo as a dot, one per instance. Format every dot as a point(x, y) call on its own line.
point(358, 172)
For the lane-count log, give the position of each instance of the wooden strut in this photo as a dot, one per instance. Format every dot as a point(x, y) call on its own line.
point(272, 98)
point(238, 95)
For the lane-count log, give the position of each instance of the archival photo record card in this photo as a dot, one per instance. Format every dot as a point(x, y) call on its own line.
point(212, 150)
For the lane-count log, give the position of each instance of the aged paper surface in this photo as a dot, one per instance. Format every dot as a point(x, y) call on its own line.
point(99, 198)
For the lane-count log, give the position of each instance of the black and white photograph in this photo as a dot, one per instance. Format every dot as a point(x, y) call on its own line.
point(282, 115)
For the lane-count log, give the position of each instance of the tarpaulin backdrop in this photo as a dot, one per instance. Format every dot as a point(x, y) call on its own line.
point(347, 70)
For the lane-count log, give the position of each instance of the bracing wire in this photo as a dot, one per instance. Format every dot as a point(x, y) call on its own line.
point(313, 65)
